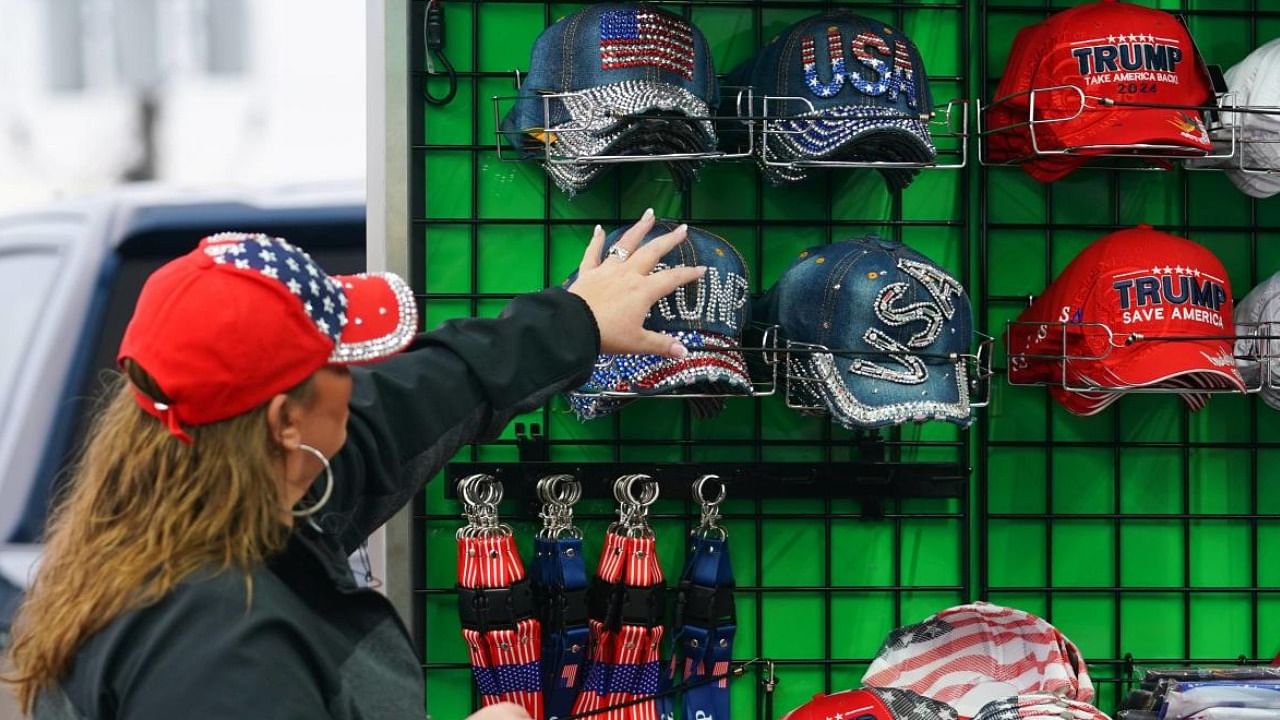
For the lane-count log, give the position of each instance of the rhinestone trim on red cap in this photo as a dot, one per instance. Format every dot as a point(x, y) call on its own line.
point(406, 327)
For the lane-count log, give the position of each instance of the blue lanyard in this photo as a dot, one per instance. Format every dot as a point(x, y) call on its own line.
point(705, 626)
point(560, 585)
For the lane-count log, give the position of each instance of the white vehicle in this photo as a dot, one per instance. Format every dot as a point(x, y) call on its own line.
point(69, 278)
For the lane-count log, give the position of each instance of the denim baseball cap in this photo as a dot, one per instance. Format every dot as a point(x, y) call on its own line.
point(862, 89)
point(708, 316)
point(607, 63)
point(903, 324)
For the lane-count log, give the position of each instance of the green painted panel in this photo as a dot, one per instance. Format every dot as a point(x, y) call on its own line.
point(1116, 527)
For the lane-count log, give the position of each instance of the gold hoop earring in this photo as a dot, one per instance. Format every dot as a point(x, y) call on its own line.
point(328, 490)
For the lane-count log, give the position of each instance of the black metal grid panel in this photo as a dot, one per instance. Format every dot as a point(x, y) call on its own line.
point(1167, 565)
point(936, 213)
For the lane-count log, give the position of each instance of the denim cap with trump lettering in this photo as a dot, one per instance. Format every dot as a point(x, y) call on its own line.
point(898, 327)
point(708, 316)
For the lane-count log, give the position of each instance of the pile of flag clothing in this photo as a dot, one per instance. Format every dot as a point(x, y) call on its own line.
point(1235, 693)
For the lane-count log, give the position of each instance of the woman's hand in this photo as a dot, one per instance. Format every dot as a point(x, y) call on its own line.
point(621, 292)
point(500, 711)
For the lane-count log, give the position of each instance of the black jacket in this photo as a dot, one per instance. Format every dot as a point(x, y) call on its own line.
point(313, 644)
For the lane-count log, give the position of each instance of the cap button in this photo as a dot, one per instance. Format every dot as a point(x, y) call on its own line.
point(1141, 226)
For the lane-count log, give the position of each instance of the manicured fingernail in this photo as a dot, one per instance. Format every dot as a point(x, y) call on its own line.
point(684, 227)
point(599, 230)
point(648, 214)
point(678, 351)
point(702, 270)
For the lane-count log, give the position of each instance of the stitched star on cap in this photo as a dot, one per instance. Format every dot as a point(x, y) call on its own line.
point(295, 287)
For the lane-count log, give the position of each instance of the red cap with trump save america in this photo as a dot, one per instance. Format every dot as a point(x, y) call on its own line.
point(1098, 70)
point(243, 317)
point(1137, 308)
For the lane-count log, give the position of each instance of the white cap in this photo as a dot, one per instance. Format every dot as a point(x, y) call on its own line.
point(1255, 82)
point(1261, 305)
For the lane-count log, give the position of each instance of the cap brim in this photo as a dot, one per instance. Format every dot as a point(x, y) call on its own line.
point(713, 365)
point(834, 131)
point(1127, 127)
point(1203, 363)
point(862, 402)
point(381, 318)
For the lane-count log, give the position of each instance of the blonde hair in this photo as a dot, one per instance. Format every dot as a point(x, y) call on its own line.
point(143, 511)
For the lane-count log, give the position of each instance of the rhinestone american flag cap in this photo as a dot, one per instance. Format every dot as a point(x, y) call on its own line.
point(593, 73)
point(244, 317)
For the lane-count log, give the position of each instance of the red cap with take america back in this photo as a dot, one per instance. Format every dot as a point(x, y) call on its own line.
point(244, 317)
point(1109, 51)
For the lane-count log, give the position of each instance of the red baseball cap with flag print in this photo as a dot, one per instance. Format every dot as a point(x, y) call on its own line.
point(1137, 308)
point(1109, 76)
point(244, 317)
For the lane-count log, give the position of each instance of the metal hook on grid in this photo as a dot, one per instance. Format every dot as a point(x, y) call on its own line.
point(558, 494)
point(708, 523)
point(433, 46)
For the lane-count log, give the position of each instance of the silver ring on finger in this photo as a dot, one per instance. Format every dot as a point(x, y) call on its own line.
point(620, 253)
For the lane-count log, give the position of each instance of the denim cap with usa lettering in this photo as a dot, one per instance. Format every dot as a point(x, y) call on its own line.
point(604, 66)
point(858, 91)
point(897, 327)
point(707, 316)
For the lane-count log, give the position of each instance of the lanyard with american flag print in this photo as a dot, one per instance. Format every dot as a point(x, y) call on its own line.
point(626, 614)
point(495, 603)
point(705, 618)
point(560, 592)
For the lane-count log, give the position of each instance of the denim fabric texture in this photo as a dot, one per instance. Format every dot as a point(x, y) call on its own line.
point(628, 69)
point(897, 322)
point(862, 91)
point(708, 316)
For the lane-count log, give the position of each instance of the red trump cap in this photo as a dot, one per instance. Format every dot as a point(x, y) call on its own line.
point(1109, 77)
point(1137, 308)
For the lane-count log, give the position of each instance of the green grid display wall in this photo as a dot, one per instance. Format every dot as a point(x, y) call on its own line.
point(1142, 533)
point(1146, 533)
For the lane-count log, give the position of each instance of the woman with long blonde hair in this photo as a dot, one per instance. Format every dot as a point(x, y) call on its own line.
point(261, 429)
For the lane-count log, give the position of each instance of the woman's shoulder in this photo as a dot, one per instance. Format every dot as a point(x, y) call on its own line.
point(221, 599)
point(226, 627)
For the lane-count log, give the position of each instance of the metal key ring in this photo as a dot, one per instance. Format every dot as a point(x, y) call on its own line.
point(648, 488)
point(699, 486)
